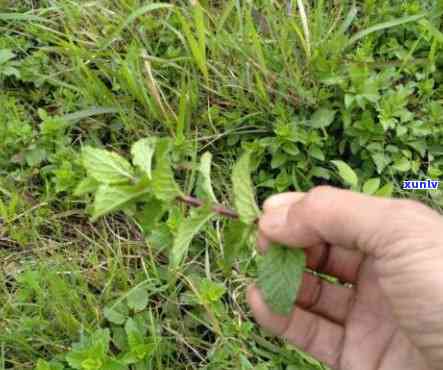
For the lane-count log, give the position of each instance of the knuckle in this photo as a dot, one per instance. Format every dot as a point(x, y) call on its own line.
point(311, 335)
point(317, 196)
point(409, 207)
point(316, 201)
point(320, 191)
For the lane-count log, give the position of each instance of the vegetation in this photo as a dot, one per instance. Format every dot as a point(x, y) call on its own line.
point(101, 266)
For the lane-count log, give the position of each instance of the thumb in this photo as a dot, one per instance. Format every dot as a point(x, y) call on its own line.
point(344, 218)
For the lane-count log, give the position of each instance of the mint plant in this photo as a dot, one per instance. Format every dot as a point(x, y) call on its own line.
point(118, 185)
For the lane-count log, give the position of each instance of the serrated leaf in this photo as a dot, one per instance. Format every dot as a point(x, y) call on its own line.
point(244, 195)
point(138, 298)
point(346, 173)
point(186, 232)
point(163, 182)
point(204, 184)
point(160, 238)
point(90, 348)
point(44, 365)
point(86, 186)
point(322, 118)
point(150, 215)
point(106, 167)
point(112, 198)
point(371, 186)
point(210, 291)
point(142, 154)
point(236, 234)
point(280, 274)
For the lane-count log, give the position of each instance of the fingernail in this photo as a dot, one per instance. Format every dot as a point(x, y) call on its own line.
point(282, 200)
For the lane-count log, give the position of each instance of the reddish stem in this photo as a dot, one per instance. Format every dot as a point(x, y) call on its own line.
point(217, 208)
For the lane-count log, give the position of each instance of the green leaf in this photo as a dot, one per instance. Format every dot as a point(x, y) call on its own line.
point(6, 55)
point(381, 160)
point(211, 291)
point(163, 182)
point(142, 154)
point(186, 232)
point(322, 118)
point(244, 196)
point(316, 152)
point(385, 25)
point(236, 235)
point(106, 167)
point(138, 298)
point(371, 186)
point(132, 18)
point(402, 165)
point(44, 365)
point(280, 274)
point(116, 313)
point(91, 350)
point(139, 344)
point(386, 191)
point(204, 185)
point(112, 198)
point(160, 238)
point(36, 156)
point(150, 214)
point(346, 173)
point(321, 172)
point(87, 186)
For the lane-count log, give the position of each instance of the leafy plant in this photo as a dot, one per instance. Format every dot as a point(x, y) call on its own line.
point(299, 85)
point(119, 188)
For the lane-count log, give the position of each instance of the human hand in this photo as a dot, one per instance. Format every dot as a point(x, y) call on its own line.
point(391, 251)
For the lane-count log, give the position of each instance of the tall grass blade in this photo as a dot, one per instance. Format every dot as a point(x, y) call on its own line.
point(383, 26)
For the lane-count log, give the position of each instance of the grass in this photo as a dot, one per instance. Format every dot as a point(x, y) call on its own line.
point(300, 83)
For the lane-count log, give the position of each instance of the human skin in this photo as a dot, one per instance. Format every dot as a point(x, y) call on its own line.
point(389, 315)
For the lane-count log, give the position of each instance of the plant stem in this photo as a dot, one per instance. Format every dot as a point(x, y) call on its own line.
point(217, 208)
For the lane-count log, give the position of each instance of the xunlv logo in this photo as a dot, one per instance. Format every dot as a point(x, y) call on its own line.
point(425, 184)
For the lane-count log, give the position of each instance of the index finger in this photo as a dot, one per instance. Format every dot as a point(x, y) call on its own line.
point(327, 215)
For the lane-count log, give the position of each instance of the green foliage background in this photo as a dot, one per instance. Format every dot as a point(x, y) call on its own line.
point(350, 96)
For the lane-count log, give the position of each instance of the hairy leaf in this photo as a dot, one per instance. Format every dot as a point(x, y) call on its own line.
point(346, 173)
point(244, 196)
point(280, 274)
point(236, 235)
point(112, 198)
point(142, 154)
point(163, 182)
point(150, 214)
point(106, 167)
point(186, 232)
point(204, 185)
point(87, 185)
